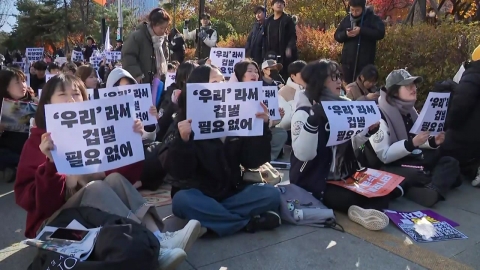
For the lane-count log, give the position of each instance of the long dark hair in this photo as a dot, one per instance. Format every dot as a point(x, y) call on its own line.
point(241, 68)
point(314, 74)
point(48, 90)
point(6, 77)
point(183, 73)
point(200, 74)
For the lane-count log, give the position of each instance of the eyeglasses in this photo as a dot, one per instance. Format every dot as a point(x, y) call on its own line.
point(336, 76)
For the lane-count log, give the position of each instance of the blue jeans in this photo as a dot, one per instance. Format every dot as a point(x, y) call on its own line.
point(230, 215)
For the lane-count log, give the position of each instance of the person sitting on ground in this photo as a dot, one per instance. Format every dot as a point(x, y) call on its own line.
point(314, 163)
point(206, 177)
point(364, 88)
point(13, 86)
point(38, 78)
point(462, 123)
point(270, 69)
point(394, 149)
point(287, 93)
point(168, 101)
point(69, 68)
point(248, 71)
point(53, 68)
point(43, 192)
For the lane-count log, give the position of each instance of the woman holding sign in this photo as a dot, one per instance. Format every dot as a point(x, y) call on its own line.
point(43, 192)
point(314, 164)
point(13, 86)
point(206, 176)
point(428, 177)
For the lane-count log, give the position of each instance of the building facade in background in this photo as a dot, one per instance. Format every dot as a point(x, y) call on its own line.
point(141, 7)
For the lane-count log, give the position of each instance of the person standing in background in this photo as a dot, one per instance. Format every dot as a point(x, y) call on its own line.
point(205, 37)
point(119, 45)
point(253, 48)
point(146, 50)
point(38, 79)
point(176, 45)
point(280, 36)
point(89, 48)
point(359, 32)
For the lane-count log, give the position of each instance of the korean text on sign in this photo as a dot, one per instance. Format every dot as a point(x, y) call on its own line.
point(113, 56)
point(226, 58)
point(371, 183)
point(224, 109)
point(143, 99)
point(77, 56)
point(433, 114)
point(34, 54)
point(348, 118)
point(270, 94)
point(95, 61)
point(169, 79)
point(93, 136)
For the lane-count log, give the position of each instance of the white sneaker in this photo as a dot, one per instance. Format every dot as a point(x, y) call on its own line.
point(183, 238)
point(476, 181)
point(371, 219)
point(170, 259)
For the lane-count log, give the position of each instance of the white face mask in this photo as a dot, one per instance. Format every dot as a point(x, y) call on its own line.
point(431, 14)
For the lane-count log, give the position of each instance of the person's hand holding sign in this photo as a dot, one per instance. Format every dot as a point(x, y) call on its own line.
point(440, 138)
point(185, 129)
point(138, 126)
point(46, 145)
point(153, 111)
point(264, 115)
point(421, 138)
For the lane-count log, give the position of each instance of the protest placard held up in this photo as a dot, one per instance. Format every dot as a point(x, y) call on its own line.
point(224, 109)
point(94, 136)
point(226, 58)
point(348, 118)
point(270, 94)
point(433, 114)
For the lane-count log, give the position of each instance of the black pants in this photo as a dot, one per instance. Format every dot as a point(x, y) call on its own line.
point(444, 175)
point(340, 199)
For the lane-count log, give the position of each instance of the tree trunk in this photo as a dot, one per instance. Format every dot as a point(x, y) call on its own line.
point(419, 15)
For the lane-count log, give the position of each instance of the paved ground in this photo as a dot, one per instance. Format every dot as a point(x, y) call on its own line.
point(291, 247)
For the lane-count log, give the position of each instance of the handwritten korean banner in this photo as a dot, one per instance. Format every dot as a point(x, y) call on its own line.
point(77, 56)
point(102, 132)
point(348, 118)
point(226, 58)
point(142, 95)
point(433, 114)
point(224, 109)
point(34, 54)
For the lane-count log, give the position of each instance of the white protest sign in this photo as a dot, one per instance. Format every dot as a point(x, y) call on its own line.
point(102, 131)
point(77, 56)
point(34, 54)
point(61, 60)
point(226, 58)
point(224, 109)
point(271, 100)
point(95, 61)
point(433, 114)
point(348, 118)
point(143, 99)
point(21, 65)
point(169, 79)
point(113, 56)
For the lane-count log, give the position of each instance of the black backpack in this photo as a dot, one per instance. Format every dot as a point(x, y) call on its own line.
point(121, 244)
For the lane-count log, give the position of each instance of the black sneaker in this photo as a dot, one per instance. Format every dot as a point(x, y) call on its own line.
point(424, 196)
point(266, 221)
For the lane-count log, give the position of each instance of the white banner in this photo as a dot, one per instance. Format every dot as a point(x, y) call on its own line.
point(433, 114)
point(270, 94)
point(34, 54)
point(113, 56)
point(93, 136)
point(348, 118)
point(226, 58)
point(224, 109)
point(143, 99)
point(95, 61)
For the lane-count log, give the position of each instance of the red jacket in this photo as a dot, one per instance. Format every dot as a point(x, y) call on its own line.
point(40, 189)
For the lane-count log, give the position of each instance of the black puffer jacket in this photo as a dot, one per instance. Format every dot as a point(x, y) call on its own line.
point(463, 117)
